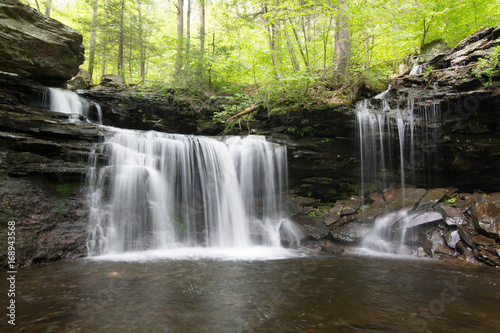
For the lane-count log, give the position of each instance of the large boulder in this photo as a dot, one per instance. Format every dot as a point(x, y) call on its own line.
point(37, 47)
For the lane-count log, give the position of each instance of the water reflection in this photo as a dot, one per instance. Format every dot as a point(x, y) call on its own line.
point(302, 294)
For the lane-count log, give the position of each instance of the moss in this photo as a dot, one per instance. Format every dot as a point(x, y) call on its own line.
point(320, 180)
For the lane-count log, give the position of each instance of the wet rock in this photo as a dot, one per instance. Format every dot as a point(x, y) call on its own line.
point(463, 248)
point(423, 218)
point(303, 205)
point(51, 218)
point(464, 202)
point(32, 45)
point(421, 252)
point(395, 199)
point(436, 244)
point(495, 198)
point(351, 205)
point(311, 226)
point(375, 209)
point(467, 235)
point(331, 218)
point(432, 197)
point(488, 258)
point(452, 216)
point(486, 218)
point(452, 238)
point(353, 232)
point(290, 234)
point(331, 248)
point(482, 240)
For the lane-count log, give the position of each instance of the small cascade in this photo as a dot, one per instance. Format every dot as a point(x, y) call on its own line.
point(397, 143)
point(166, 190)
point(417, 70)
point(68, 102)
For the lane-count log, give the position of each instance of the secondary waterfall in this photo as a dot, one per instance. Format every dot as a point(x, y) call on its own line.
point(68, 102)
point(397, 142)
point(397, 145)
point(168, 190)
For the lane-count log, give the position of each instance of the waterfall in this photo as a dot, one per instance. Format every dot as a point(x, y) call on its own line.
point(162, 191)
point(397, 143)
point(68, 102)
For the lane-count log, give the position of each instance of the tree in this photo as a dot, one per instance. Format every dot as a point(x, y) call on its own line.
point(202, 25)
point(93, 39)
point(180, 36)
point(142, 56)
point(48, 7)
point(342, 40)
point(121, 40)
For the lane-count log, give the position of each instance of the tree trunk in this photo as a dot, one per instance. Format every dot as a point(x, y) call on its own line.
point(130, 54)
point(48, 7)
point(92, 39)
point(142, 57)
point(202, 25)
point(270, 35)
point(297, 39)
point(210, 84)
point(188, 37)
point(342, 40)
point(180, 35)
point(326, 33)
point(104, 55)
point(37, 6)
point(121, 40)
point(291, 50)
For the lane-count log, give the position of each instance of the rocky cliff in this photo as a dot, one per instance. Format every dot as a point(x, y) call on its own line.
point(37, 47)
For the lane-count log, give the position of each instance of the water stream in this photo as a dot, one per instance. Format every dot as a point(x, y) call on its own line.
point(397, 146)
point(302, 294)
point(74, 106)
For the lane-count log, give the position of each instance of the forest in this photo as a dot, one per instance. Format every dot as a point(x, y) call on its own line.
point(267, 49)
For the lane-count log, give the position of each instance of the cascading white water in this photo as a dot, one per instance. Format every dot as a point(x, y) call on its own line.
point(168, 190)
point(397, 144)
point(396, 134)
point(68, 102)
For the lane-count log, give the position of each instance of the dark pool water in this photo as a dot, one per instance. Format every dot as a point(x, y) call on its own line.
point(350, 293)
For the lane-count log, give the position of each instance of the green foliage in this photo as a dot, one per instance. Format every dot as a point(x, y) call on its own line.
point(235, 103)
point(279, 52)
point(312, 214)
point(488, 65)
point(302, 131)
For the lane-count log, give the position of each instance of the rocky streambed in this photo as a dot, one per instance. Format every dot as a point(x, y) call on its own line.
point(439, 223)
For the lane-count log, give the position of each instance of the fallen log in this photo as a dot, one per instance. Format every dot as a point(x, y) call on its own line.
point(248, 110)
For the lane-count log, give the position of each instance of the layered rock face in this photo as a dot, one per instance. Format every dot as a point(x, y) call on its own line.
point(42, 156)
point(37, 47)
point(43, 166)
point(453, 141)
